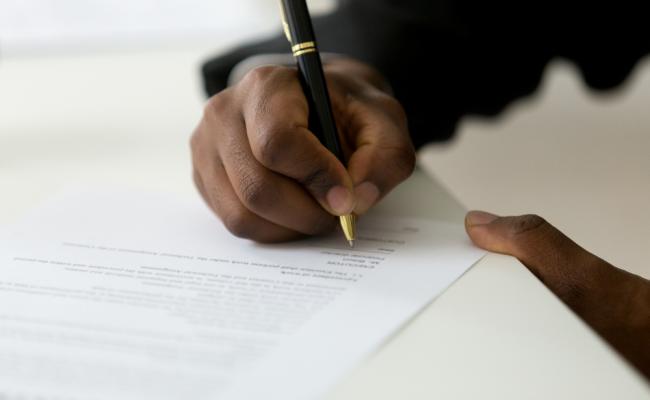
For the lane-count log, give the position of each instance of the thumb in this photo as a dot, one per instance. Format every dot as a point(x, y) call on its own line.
point(612, 301)
point(555, 259)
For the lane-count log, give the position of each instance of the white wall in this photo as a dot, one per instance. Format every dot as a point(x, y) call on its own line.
point(581, 159)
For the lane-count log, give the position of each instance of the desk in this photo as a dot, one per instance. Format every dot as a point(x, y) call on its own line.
point(126, 118)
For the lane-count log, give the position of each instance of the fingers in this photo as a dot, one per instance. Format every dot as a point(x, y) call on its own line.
point(384, 155)
point(251, 201)
point(555, 259)
point(276, 119)
point(241, 222)
point(257, 164)
point(265, 193)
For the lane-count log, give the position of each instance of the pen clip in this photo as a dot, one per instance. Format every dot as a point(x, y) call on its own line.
point(285, 25)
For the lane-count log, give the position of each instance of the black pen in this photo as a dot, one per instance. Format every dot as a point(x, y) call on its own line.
point(298, 29)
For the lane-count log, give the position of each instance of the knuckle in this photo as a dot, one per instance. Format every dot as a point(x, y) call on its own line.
point(318, 180)
point(238, 223)
point(195, 144)
point(403, 161)
point(196, 177)
point(199, 150)
point(261, 83)
point(216, 105)
point(270, 145)
point(526, 230)
point(525, 224)
point(256, 193)
point(198, 183)
point(407, 162)
point(389, 104)
point(260, 74)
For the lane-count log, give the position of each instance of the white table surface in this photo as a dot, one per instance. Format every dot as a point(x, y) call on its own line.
point(125, 117)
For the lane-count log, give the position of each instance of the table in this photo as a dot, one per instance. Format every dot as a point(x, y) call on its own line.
point(125, 117)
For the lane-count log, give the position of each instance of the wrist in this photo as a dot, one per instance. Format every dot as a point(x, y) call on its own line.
point(352, 68)
point(261, 60)
point(332, 62)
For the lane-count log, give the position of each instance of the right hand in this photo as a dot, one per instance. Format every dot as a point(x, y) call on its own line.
point(269, 178)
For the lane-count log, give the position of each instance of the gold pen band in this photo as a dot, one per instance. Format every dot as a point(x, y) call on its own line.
point(303, 45)
point(303, 48)
point(301, 52)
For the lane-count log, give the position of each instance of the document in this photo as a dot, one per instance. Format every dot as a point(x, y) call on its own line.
point(122, 295)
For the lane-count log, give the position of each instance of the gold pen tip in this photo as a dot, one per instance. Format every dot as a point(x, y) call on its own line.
point(349, 228)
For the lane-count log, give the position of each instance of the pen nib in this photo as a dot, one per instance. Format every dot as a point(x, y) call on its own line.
point(348, 225)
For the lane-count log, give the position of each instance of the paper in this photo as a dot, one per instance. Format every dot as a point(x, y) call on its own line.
point(109, 295)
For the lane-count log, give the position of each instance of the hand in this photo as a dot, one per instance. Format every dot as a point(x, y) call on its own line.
point(269, 178)
point(615, 303)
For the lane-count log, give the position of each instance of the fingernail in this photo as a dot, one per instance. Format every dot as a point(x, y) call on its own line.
point(367, 195)
point(479, 218)
point(340, 200)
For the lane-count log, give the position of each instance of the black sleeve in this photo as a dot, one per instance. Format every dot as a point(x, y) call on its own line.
point(446, 59)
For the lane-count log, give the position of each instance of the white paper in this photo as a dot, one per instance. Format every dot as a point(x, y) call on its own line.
point(116, 295)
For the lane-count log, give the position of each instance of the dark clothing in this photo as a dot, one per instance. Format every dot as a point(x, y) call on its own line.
point(446, 58)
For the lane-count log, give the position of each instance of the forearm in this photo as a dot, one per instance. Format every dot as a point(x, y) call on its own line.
point(371, 32)
point(617, 306)
point(615, 303)
point(446, 59)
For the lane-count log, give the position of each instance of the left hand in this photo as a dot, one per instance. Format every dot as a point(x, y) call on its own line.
point(615, 303)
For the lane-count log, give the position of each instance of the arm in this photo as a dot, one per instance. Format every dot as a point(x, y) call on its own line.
point(455, 57)
point(268, 179)
point(615, 303)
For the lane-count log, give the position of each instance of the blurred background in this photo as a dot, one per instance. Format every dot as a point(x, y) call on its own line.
point(102, 92)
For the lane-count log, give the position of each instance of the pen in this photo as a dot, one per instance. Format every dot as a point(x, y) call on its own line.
point(300, 33)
